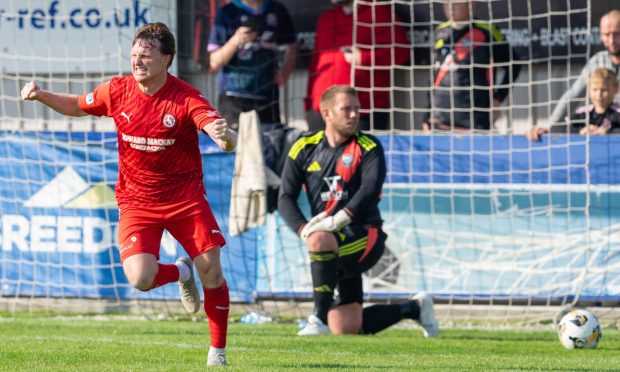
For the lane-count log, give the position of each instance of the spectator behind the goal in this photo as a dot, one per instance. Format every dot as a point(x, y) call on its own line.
point(608, 58)
point(379, 43)
point(469, 56)
point(342, 171)
point(243, 49)
point(159, 185)
point(600, 117)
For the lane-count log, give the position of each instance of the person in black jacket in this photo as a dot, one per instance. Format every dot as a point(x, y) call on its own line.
point(469, 55)
point(342, 170)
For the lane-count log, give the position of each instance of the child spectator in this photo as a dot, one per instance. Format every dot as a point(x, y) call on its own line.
point(600, 117)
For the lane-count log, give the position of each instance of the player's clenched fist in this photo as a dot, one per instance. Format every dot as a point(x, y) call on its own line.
point(221, 134)
point(30, 91)
point(219, 129)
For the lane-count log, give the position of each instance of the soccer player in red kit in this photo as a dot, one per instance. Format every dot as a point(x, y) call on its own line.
point(159, 183)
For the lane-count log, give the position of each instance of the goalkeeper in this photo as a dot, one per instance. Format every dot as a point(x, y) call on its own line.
point(159, 185)
point(343, 171)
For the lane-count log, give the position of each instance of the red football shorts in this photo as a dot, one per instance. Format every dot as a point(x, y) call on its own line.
point(190, 222)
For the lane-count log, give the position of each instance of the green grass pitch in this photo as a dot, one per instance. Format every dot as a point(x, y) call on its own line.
point(49, 344)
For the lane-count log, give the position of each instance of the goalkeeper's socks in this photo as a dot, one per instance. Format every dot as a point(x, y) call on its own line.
point(324, 269)
point(411, 310)
point(217, 304)
point(379, 317)
point(166, 273)
point(376, 318)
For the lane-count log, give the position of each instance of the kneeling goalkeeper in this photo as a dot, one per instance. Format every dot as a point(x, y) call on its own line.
point(343, 171)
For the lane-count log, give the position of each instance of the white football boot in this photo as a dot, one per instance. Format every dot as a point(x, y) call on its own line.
point(215, 359)
point(315, 327)
point(190, 297)
point(427, 314)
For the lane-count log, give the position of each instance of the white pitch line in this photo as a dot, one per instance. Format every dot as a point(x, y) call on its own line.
point(163, 343)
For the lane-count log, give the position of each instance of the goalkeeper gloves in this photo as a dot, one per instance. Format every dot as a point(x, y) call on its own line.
point(323, 222)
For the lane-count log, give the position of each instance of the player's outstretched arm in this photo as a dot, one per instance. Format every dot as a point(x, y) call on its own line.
point(225, 137)
point(66, 104)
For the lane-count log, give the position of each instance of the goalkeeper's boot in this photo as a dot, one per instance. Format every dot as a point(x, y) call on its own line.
point(427, 314)
point(314, 327)
point(215, 359)
point(190, 297)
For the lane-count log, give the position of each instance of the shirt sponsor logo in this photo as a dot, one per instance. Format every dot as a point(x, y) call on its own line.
point(169, 121)
point(90, 98)
point(146, 143)
point(213, 113)
point(335, 189)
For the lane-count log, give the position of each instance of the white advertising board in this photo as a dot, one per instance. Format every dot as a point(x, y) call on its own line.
point(74, 36)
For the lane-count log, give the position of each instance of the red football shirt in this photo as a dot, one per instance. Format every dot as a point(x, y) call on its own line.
point(158, 154)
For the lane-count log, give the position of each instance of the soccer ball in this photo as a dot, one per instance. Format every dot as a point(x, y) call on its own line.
point(579, 329)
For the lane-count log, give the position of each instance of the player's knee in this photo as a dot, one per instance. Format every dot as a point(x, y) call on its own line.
point(345, 319)
point(140, 272)
point(345, 329)
point(140, 280)
point(211, 278)
point(322, 242)
point(209, 269)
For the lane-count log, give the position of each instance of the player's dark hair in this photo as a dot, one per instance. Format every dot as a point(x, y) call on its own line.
point(328, 96)
point(157, 35)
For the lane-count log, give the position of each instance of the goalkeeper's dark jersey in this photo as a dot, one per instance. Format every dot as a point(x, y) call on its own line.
point(350, 176)
point(467, 65)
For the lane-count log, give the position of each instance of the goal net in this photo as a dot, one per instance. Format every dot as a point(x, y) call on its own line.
point(482, 221)
point(57, 205)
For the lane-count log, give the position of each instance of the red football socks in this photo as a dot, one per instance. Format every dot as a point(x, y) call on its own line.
point(166, 273)
point(217, 303)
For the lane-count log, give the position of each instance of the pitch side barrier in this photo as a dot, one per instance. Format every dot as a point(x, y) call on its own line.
point(472, 219)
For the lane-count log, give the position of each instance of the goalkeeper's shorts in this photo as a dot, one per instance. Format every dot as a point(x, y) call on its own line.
point(190, 222)
point(359, 248)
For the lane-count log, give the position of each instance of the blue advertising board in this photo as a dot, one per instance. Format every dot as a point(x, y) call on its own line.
point(486, 217)
point(465, 215)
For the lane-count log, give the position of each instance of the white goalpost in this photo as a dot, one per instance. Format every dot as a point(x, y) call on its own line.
point(499, 229)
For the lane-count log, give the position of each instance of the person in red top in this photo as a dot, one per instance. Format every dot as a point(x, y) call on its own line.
point(379, 44)
point(159, 185)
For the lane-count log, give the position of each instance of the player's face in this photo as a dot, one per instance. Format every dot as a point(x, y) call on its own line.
point(458, 11)
point(610, 33)
point(147, 62)
point(601, 94)
point(344, 117)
